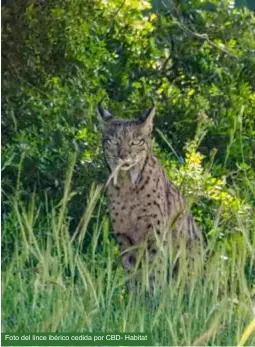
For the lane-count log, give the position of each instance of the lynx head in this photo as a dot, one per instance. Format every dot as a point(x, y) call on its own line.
point(126, 144)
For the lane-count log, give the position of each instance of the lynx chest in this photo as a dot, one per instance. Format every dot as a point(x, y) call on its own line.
point(138, 208)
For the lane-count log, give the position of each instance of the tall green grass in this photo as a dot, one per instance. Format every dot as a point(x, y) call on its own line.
point(52, 283)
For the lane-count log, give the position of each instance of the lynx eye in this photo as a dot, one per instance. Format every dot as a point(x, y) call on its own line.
point(137, 142)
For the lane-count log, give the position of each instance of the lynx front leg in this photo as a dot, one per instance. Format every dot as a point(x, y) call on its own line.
point(128, 257)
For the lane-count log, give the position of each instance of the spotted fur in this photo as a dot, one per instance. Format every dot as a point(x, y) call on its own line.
point(143, 203)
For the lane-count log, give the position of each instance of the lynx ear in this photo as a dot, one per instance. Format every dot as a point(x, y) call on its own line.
point(146, 125)
point(105, 114)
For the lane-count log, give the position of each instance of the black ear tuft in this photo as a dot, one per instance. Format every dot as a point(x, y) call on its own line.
point(148, 116)
point(105, 114)
point(150, 113)
point(146, 121)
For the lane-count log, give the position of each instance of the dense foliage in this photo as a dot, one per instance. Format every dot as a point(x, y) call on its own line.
point(59, 59)
point(195, 59)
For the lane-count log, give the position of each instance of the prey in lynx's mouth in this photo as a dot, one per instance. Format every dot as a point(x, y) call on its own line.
point(123, 165)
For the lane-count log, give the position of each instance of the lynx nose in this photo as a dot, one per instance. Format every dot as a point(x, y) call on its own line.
point(123, 154)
